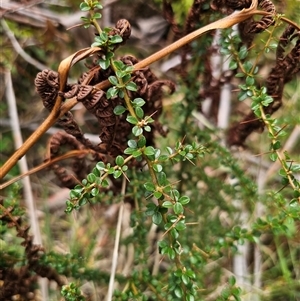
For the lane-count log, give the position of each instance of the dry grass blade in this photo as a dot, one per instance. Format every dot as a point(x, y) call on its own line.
point(28, 195)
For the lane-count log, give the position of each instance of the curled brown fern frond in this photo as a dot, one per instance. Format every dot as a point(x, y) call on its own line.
point(194, 16)
point(169, 15)
point(20, 282)
point(47, 85)
point(78, 166)
point(266, 21)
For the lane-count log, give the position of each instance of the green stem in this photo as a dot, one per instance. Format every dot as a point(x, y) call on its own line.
point(126, 96)
point(279, 156)
point(94, 22)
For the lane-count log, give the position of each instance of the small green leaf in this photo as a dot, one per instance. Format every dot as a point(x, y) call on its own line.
point(132, 143)
point(172, 218)
point(149, 150)
point(157, 218)
point(96, 172)
point(157, 194)
point(84, 19)
point(110, 170)
point(142, 141)
point(242, 96)
point(178, 208)
point(180, 226)
point(91, 178)
point(100, 166)
point(115, 39)
point(182, 153)
point(84, 6)
point(189, 156)
point(103, 36)
point(167, 204)
point(136, 131)
point(184, 200)
point(128, 151)
point(248, 66)
point(170, 150)
point(98, 5)
point(105, 183)
point(250, 81)
point(149, 186)
point(243, 53)
point(131, 86)
point(171, 253)
point(119, 65)
point(276, 145)
point(97, 16)
point(273, 157)
point(231, 280)
point(132, 119)
point(94, 191)
point(139, 112)
point(87, 25)
point(189, 297)
point(157, 167)
point(163, 158)
point(151, 209)
point(175, 194)
point(233, 65)
point(295, 167)
point(162, 179)
point(119, 160)
point(129, 69)
point(225, 293)
point(162, 244)
point(118, 110)
point(178, 273)
point(126, 77)
point(137, 153)
point(121, 74)
point(284, 180)
point(111, 92)
point(121, 93)
point(104, 64)
point(185, 279)
point(191, 274)
point(273, 45)
point(178, 292)
point(147, 128)
point(139, 102)
point(117, 173)
point(113, 80)
point(75, 193)
point(240, 75)
point(82, 202)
